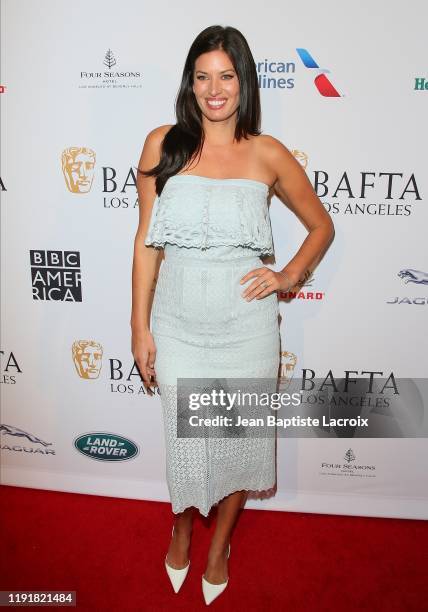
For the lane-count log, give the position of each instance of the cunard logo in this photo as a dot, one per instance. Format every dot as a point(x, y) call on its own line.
point(298, 292)
point(114, 77)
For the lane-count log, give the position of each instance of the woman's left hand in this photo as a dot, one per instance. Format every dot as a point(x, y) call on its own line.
point(266, 281)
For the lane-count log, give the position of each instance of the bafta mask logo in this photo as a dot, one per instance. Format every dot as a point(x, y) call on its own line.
point(288, 363)
point(301, 157)
point(87, 357)
point(78, 165)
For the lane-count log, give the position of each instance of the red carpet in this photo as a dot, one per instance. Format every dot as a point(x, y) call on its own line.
point(111, 551)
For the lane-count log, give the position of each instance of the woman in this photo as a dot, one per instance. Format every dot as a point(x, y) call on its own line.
point(203, 185)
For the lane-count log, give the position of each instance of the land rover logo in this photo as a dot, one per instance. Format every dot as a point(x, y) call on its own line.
point(106, 446)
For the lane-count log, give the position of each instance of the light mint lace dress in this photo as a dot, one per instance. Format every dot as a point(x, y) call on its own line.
point(213, 231)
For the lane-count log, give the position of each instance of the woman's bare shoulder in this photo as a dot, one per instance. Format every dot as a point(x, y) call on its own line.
point(272, 155)
point(158, 133)
point(270, 143)
point(152, 147)
point(274, 152)
point(153, 144)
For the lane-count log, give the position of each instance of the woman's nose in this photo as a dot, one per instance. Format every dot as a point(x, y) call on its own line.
point(215, 87)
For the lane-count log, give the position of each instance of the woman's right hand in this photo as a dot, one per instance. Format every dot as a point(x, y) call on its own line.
point(144, 351)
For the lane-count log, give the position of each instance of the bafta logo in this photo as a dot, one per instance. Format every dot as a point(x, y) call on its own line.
point(286, 373)
point(78, 168)
point(87, 356)
point(301, 157)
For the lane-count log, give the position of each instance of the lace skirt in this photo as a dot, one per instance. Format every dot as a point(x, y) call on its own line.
point(204, 328)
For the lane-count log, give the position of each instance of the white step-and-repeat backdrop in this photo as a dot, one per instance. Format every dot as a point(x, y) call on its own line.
point(345, 88)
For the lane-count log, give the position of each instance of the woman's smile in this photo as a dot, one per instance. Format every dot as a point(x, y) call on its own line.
point(216, 103)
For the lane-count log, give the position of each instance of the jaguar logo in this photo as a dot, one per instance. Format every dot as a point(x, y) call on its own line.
point(414, 276)
point(20, 433)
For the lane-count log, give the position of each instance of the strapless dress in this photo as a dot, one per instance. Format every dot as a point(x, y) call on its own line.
point(213, 231)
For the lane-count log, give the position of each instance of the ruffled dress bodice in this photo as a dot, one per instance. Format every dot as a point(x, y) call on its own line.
point(200, 212)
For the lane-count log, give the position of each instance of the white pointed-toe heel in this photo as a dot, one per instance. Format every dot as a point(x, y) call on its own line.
point(211, 591)
point(177, 576)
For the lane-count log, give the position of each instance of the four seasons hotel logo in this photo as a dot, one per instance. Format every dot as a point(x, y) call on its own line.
point(115, 77)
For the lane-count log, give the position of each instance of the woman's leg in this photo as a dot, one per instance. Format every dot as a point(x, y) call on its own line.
point(178, 552)
point(227, 513)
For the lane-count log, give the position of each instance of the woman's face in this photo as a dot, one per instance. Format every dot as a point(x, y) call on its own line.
point(216, 85)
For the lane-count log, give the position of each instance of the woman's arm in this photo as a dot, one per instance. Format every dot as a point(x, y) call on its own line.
point(293, 187)
point(146, 261)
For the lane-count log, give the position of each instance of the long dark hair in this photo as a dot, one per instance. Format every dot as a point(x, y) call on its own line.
point(184, 140)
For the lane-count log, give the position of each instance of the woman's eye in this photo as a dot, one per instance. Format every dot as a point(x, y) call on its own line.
point(227, 76)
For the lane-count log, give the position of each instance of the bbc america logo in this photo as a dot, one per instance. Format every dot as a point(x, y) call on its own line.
point(56, 275)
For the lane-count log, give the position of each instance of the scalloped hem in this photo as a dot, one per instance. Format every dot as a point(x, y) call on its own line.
point(216, 502)
point(262, 251)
